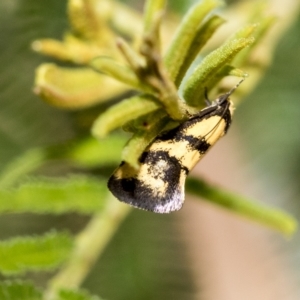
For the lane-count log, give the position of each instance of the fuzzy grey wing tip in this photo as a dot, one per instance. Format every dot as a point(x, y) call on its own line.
point(144, 200)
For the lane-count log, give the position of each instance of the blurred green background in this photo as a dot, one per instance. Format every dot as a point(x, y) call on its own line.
point(147, 259)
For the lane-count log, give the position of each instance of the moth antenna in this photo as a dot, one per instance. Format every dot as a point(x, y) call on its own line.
point(225, 98)
point(235, 87)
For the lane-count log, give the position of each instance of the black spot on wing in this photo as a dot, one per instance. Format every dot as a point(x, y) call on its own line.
point(194, 143)
point(171, 134)
point(201, 146)
point(128, 184)
point(172, 172)
point(143, 157)
point(141, 194)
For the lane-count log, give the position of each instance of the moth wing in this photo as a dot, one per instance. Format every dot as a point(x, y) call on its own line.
point(158, 186)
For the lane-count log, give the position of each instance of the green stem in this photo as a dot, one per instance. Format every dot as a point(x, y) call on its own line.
point(260, 213)
point(133, 59)
point(89, 245)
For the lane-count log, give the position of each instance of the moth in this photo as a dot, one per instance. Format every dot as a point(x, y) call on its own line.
point(158, 185)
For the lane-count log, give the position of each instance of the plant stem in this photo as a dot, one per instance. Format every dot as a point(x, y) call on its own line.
point(89, 245)
point(273, 218)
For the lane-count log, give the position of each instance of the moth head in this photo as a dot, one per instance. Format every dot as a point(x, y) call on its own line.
point(225, 97)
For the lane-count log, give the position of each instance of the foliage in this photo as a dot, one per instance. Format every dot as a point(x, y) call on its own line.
point(103, 73)
point(34, 253)
point(76, 193)
point(14, 290)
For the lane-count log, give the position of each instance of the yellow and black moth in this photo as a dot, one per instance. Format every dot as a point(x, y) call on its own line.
point(158, 185)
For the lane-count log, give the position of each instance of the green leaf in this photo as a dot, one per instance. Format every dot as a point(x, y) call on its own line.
point(202, 35)
point(19, 290)
point(55, 195)
point(260, 213)
point(117, 71)
point(47, 252)
point(226, 71)
point(231, 71)
point(210, 66)
point(74, 88)
point(94, 153)
point(151, 9)
point(122, 113)
point(22, 165)
point(76, 295)
point(185, 34)
point(259, 33)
